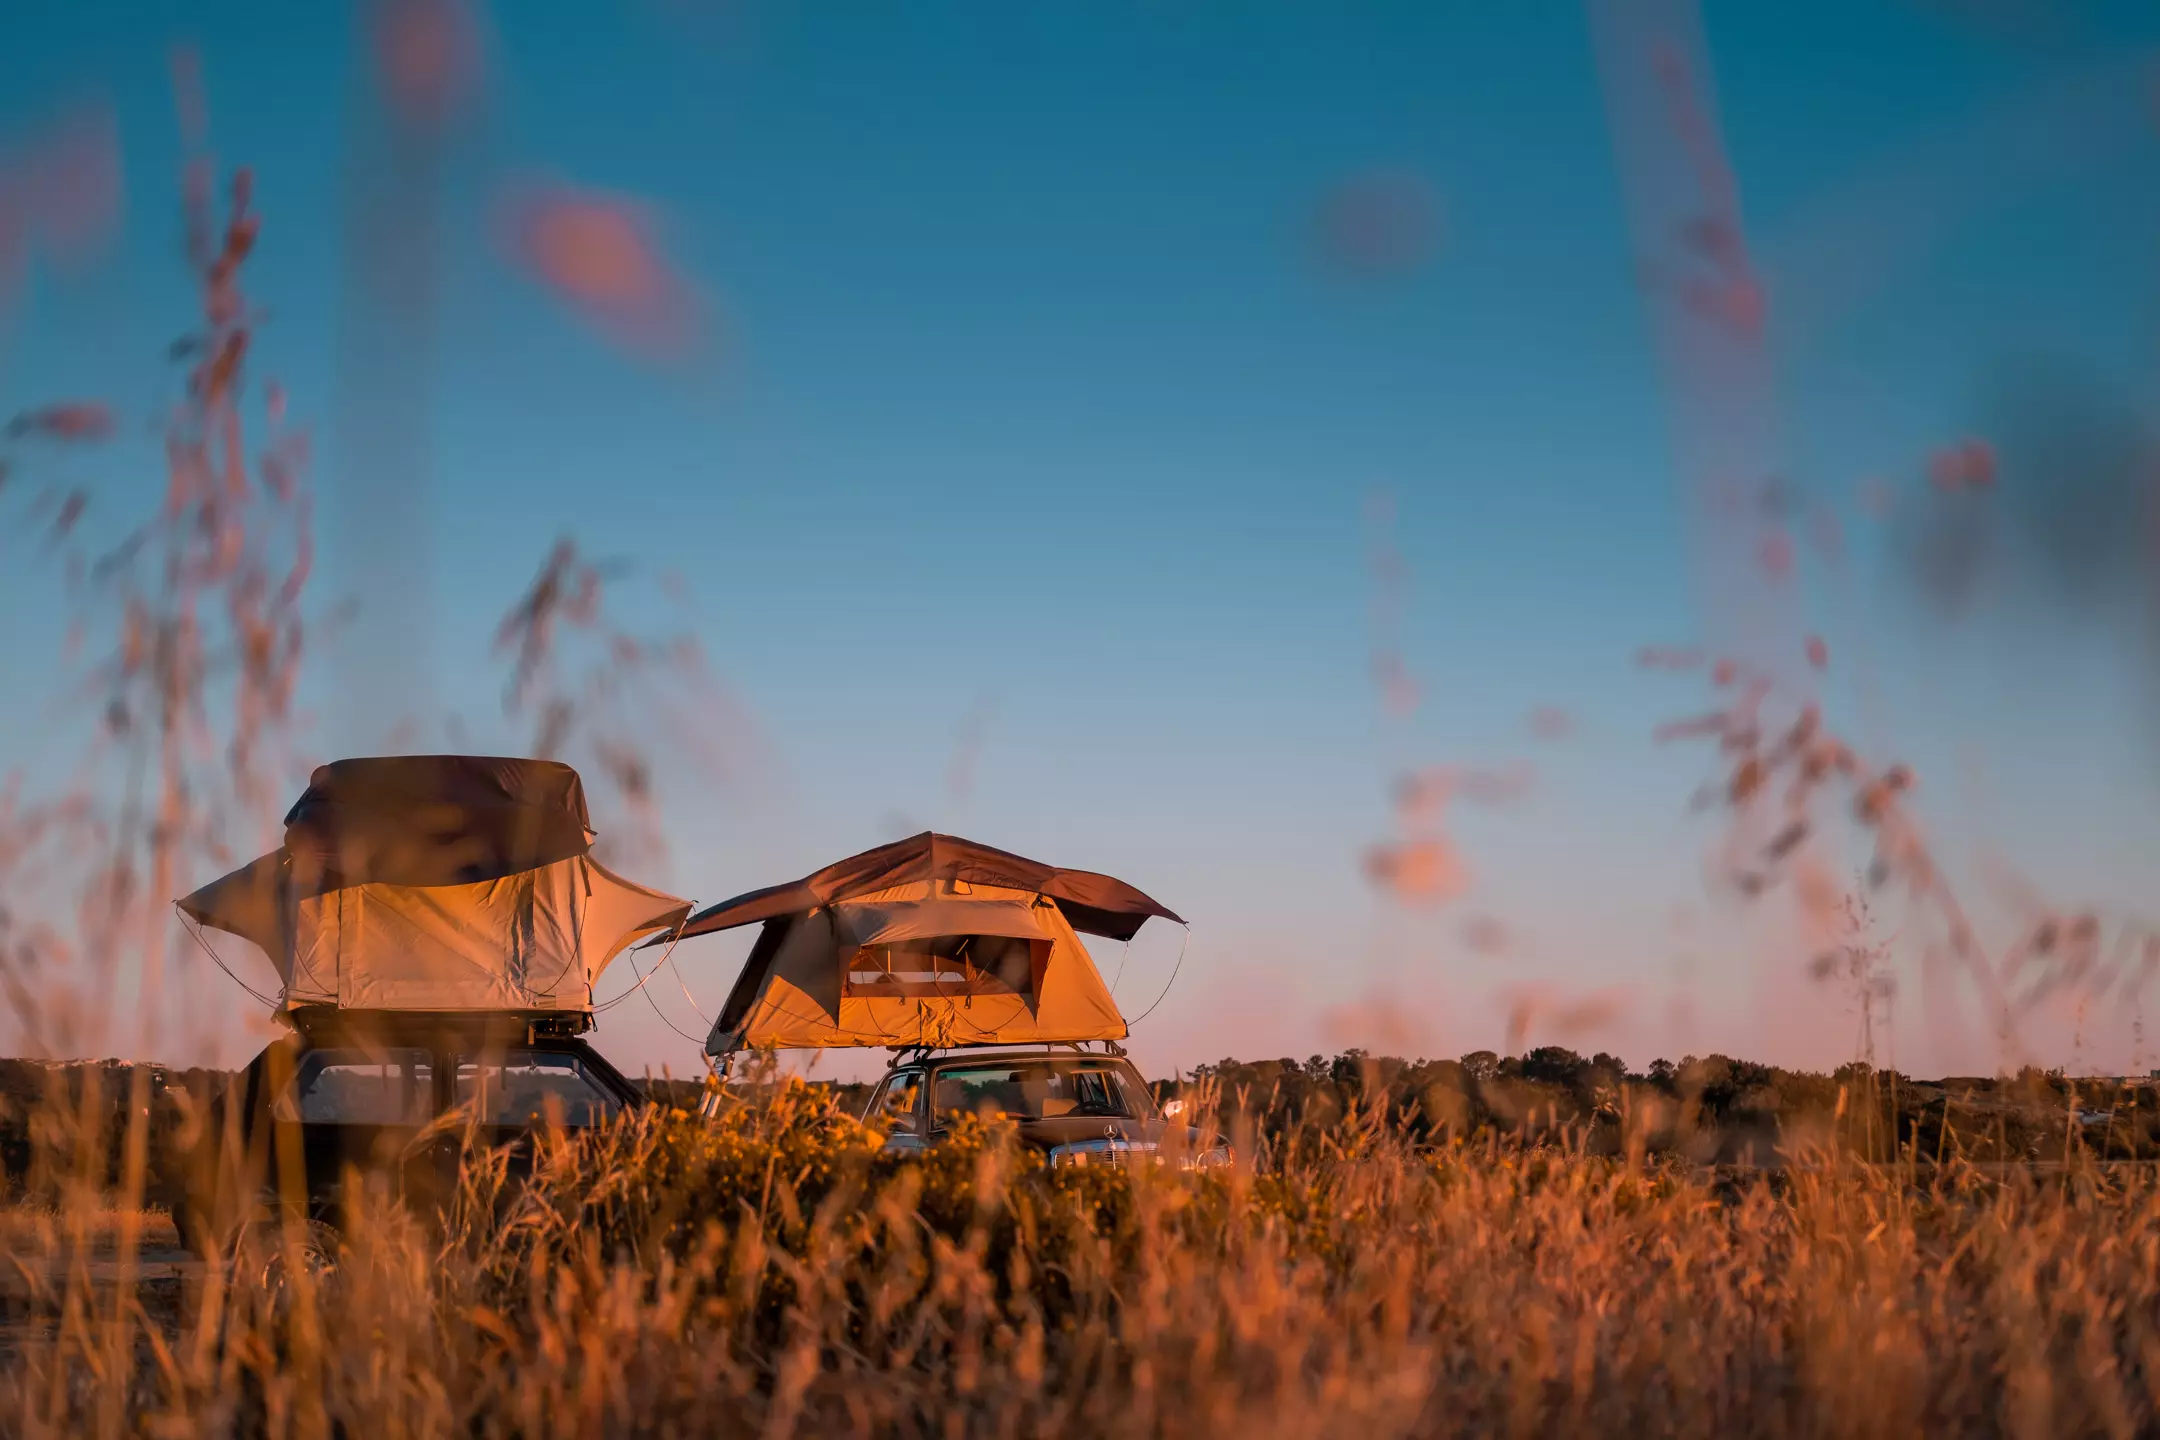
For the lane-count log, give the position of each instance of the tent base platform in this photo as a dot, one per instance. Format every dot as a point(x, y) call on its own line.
point(328, 1022)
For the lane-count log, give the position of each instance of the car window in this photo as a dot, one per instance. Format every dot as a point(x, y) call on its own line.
point(521, 1087)
point(1034, 1090)
point(359, 1087)
point(895, 1103)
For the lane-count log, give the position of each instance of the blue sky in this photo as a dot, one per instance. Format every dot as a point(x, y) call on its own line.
point(1029, 402)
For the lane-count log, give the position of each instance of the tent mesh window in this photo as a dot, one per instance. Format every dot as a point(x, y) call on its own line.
point(947, 965)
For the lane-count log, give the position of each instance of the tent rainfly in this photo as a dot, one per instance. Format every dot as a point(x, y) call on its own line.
point(932, 940)
point(438, 883)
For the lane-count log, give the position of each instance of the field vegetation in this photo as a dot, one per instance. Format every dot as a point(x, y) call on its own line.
point(1363, 1270)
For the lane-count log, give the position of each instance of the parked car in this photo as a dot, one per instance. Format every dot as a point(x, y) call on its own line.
point(385, 1099)
point(1078, 1107)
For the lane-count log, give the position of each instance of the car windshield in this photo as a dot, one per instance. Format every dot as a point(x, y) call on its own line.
point(1037, 1090)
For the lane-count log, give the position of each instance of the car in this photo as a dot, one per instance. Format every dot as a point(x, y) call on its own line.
point(1078, 1107)
point(385, 1099)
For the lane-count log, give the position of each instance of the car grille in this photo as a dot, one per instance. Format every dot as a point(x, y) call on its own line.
point(1096, 1152)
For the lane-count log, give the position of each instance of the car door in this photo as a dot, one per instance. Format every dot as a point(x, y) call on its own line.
point(356, 1109)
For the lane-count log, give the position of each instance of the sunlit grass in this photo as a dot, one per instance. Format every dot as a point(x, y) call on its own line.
point(770, 1272)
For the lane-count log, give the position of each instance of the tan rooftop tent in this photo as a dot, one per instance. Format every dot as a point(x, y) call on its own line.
point(932, 940)
point(439, 883)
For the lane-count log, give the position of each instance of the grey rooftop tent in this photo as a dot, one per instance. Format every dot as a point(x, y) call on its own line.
point(932, 940)
point(437, 883)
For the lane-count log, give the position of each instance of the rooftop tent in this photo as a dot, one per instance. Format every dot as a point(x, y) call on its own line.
point(932, 940)
point(436, 882)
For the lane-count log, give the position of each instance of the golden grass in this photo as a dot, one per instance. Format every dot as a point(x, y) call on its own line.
point(770, 1273)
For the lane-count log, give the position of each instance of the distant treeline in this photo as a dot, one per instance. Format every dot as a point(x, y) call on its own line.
point(73, 1118)
point(1711, 1108)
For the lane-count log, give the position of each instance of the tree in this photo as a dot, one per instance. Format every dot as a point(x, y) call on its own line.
point(1554, 1065)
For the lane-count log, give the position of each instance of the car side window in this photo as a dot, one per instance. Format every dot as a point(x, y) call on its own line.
point(530, 1087)
point(358, 1087)
point(896, 1103)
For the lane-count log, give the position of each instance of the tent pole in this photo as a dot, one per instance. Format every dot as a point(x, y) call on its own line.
point(718, 1070)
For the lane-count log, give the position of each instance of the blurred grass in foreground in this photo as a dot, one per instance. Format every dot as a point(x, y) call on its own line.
point(769, 1272)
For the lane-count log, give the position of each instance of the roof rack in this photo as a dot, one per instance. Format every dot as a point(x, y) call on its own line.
point(908, 1054)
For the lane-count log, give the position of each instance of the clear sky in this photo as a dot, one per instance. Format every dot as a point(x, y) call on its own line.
point(1022, 473)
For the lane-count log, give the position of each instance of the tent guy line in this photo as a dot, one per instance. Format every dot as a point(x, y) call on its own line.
point(603, 1006)
point(666, 957)
point(1186, 925)
point(195, 933)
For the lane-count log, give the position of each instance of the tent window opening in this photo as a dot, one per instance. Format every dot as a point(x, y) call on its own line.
point(354, 1087)
point(532, 1087)
point(945, 965)
point(1043, 1090)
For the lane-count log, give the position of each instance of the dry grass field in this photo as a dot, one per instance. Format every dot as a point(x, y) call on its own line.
point(768, 1272)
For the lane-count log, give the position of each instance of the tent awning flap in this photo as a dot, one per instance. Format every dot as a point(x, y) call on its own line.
point(248, 903)
point(869, 923)
point(1097, 904)
point(619, 913)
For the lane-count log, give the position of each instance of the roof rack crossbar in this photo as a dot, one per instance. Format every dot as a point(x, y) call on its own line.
point(909, 1054)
